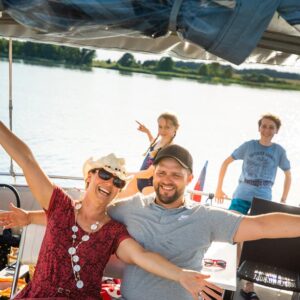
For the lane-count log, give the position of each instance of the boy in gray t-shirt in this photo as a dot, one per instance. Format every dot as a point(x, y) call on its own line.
point(261, 159)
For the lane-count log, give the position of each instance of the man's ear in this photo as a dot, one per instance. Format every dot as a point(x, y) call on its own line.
point(190, 178)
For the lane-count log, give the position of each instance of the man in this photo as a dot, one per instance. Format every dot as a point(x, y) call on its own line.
point(261, 158)
point(181, 229)
point(173, 225)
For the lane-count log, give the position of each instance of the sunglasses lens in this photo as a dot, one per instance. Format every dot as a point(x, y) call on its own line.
point(208, 262)
point(104, 174)
point(221, 264)
point(119, 183)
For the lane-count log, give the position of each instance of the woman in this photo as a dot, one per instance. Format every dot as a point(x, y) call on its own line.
point(80, 236)
point(142, 181)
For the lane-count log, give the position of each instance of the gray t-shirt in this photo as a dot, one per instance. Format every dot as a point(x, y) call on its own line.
point(259, 169)
point(182, 235)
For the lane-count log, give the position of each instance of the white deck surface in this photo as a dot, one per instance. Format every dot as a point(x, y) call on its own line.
point(224, 278)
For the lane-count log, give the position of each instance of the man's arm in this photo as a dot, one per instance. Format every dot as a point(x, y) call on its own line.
point(18, 217)
point(286, 186)
point(194, 282)
point(270, 226)
point(40, 185)
point(219, 194)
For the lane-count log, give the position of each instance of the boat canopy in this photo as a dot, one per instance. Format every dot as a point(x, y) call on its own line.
point(265, 31)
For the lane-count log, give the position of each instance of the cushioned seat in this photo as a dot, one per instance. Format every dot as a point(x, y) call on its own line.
point(272, 262)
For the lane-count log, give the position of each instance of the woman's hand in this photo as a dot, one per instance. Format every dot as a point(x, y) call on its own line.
point(197, 285)
point(16, 217)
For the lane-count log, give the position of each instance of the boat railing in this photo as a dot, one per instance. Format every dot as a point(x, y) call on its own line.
point(15, 174)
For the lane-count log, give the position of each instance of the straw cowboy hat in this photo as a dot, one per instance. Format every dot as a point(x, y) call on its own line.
point(110, 163)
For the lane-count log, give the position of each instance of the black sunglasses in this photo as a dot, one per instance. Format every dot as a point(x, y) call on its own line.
point(104, 175)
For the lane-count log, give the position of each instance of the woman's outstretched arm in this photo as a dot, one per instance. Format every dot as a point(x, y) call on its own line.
point(38, 182)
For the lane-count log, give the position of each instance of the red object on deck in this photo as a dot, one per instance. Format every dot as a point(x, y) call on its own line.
point(110, 288)
point(199, 186)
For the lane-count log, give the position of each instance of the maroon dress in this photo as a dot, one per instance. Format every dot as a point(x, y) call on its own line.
point(54, 276)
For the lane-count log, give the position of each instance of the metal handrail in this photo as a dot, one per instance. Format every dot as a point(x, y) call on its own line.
point(190, 191)
point(50, 176)
point(14, 190)
point(201, 193)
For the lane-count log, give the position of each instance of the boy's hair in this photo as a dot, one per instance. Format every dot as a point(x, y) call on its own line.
point(271, 117)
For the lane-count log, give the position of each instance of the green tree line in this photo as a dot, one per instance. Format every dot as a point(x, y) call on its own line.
point(208, 70)
point(167, 64)
point(49, 52)
point(203, 72)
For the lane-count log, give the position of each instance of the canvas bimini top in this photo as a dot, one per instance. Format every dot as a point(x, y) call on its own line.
point(263, 31)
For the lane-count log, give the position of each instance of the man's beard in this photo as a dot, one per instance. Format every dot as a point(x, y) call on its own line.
point(168, 199)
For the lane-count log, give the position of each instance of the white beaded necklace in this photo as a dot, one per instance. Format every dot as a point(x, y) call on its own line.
point(73, 249)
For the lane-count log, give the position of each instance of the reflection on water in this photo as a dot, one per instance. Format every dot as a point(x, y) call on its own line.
point(68, 115)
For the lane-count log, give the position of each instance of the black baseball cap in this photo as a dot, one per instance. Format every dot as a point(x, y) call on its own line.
point(177, 152)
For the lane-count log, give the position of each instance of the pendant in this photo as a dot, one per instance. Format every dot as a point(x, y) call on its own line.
point(72, 250)
point(78, 206)
point(74, 228)
point(85, 237)
point(79, 284)
point(76, 268)
point(75, 258)
point(95, 226)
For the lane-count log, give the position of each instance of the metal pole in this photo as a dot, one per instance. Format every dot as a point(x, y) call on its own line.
point(11, 169)
point(209, 195)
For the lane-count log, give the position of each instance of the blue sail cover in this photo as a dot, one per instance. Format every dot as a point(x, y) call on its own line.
point(229, 29)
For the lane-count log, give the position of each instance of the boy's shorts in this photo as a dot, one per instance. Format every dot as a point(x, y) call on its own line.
point(240, 205)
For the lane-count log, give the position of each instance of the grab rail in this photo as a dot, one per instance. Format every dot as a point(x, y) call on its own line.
point(50, 176)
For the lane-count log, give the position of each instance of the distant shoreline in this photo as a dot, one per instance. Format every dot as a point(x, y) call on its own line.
point(223, 75)
point(273, 84)
point(210, 73)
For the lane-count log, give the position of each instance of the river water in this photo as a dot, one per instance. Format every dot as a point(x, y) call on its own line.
point(68, 115)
